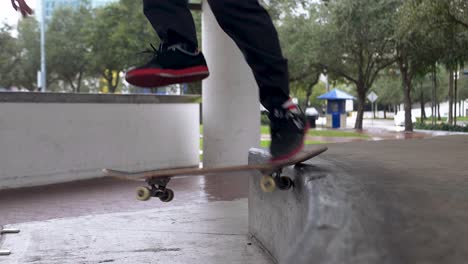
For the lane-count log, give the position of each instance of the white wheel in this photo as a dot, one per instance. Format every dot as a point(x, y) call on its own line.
point(143, 193)
point(267, 183)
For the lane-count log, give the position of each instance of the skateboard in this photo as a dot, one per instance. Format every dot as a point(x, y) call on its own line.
point(157, 180)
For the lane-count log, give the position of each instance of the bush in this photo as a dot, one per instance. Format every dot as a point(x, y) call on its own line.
point(443, 127)
point(264, 120)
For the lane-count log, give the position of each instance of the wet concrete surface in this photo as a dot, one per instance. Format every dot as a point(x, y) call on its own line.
point(208, 233)
point(106, 195)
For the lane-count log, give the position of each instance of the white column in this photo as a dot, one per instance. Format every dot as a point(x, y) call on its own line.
point(231, 108)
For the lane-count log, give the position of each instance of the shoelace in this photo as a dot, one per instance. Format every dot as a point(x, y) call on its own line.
point(153, 50)
point(281, 118)
point(157, 51)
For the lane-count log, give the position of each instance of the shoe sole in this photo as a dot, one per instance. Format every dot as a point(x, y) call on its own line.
point(163, 77)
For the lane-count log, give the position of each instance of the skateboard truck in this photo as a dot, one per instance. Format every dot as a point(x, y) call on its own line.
point(268, 183)
point(156, 188)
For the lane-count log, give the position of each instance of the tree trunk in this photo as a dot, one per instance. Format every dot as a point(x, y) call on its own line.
point(407, 87)
point(450, 95)
point(360, 108)
point(78, 87)
point(407, 100)
point(423, 110)
point(434, 94)
point(308, 95)
point(455, 97)
point(438, 112)
point(460, 108)
point(114, 84)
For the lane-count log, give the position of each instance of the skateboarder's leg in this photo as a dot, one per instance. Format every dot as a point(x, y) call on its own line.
point(177, 59)
point(252, 29)
point(172, 20)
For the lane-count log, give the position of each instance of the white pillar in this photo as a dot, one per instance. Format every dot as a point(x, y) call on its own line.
point(231, 108)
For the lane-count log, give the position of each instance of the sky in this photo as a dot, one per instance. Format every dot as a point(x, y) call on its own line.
point(8, 14)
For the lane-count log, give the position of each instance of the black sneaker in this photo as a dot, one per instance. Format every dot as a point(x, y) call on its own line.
point(288, 127)
point(169, 65)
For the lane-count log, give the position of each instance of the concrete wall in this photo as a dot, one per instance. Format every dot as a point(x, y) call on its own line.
point(50, 141)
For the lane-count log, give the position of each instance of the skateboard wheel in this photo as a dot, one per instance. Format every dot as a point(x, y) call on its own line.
point(143, 193)
point(284, 183)
point(167, 196)
point(267, 183)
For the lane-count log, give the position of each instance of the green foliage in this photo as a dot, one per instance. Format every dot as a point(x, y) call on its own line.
point(388, 88)
point(9, 57)
point(265, 122)
point(68, 47)
point(463, 88)
point(120, 31)
point(28, 42)
point(442, 127)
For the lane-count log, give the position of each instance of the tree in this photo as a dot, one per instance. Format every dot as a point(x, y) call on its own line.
point(120, 30)
point(455, 10)
point(67, 46)
point(29, 43)
point(355, 42)
point(388, 88)
point(418, 46)
point(297, 34)
point(9, 57)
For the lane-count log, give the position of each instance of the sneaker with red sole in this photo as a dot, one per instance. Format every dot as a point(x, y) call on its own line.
point(169, 65)
point(288, 128)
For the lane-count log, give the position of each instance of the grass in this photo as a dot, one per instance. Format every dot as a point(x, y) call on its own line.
point(266, 143)
point(323, 133)
point(444, 119)
point(265, 130)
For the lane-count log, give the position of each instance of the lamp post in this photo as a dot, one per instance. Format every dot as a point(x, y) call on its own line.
point(43, 54)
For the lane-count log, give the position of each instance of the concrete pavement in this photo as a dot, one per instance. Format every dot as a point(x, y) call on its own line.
point(206, 233)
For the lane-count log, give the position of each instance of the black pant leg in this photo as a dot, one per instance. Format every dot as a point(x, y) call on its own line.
point(171, 19)
point(251, 28)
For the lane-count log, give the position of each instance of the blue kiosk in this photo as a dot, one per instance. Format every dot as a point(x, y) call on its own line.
point(336, 107)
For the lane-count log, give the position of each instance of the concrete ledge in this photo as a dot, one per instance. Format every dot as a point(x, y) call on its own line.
point(49, 141)
point(30, 97)
point(369, 202)
point(307, 224)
